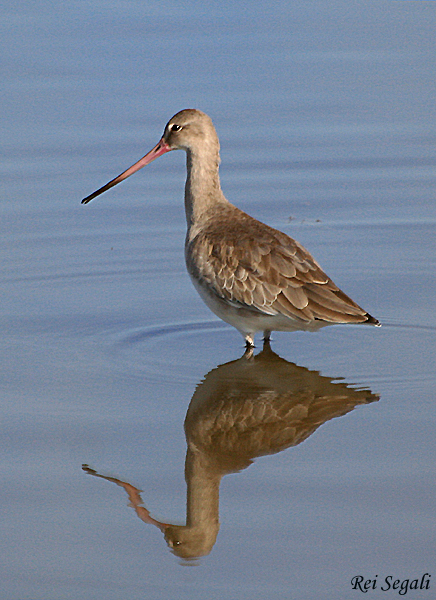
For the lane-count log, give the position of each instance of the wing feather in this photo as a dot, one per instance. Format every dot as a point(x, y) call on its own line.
point(250, 264)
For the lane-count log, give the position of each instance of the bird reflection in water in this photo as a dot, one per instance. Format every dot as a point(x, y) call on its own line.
point(254, 406)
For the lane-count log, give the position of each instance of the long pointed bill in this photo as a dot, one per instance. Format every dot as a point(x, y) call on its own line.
point(160, 148)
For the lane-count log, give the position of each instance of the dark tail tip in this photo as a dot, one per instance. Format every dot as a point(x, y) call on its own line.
point(372, 321)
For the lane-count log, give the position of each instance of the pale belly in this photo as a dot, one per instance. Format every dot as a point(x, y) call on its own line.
point(249, 321)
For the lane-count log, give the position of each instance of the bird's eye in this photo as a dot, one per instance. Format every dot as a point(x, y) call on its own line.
point(175, 127)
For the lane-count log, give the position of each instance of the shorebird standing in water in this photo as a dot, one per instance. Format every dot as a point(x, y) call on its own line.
point(251, 275)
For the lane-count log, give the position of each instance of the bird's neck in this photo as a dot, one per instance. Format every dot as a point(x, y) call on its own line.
point(203, 188)
point(203, 482)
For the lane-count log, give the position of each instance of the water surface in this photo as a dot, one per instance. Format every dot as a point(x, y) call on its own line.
point(325, 114)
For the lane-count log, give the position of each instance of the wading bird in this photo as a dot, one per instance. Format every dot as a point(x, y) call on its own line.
point(251, 275)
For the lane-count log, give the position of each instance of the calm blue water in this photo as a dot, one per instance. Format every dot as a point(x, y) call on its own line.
point(326, 117)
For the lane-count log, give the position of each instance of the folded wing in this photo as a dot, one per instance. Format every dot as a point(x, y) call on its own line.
point(258, 267)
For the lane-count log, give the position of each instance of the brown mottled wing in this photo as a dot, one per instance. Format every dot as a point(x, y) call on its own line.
point(251, 264)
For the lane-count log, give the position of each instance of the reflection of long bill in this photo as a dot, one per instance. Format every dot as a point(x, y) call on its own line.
point(250, 407)
point(134, 497)
point(160, 148)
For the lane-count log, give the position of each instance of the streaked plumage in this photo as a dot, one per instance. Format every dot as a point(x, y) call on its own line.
point(251, 275)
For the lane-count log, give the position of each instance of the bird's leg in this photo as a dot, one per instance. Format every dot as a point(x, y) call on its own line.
point(249, 341)
point(266, 336)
